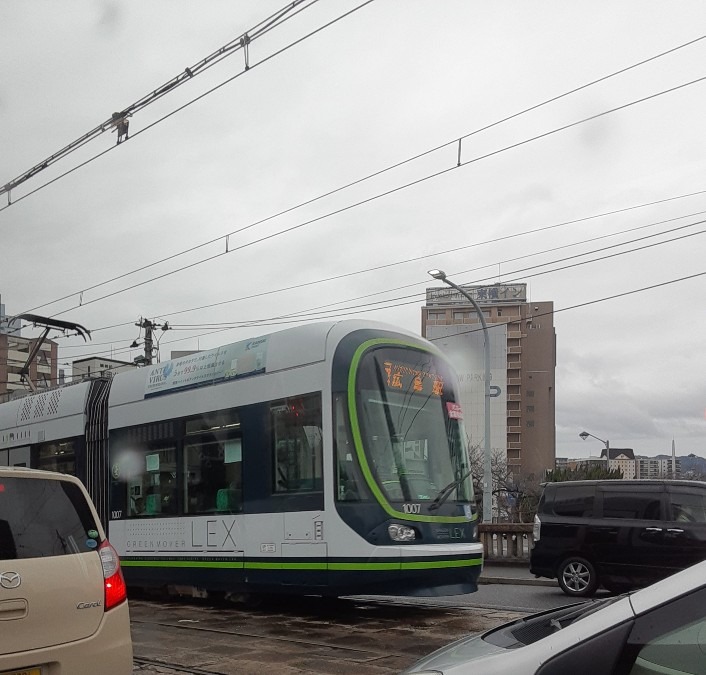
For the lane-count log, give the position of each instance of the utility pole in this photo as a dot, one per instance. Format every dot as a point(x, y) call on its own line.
point(150, 349)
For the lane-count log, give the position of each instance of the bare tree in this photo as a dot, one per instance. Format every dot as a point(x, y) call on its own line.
point(515, 496)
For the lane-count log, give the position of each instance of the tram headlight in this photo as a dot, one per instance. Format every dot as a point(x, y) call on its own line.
point(401, 532)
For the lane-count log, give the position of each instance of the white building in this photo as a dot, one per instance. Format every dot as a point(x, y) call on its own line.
point(622, 459)
point(95, 366)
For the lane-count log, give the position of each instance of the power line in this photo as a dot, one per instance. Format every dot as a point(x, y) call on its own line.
point(242, 42)
point(447, 251)
point(583, 304)
point(306, 314)
point(374, 197)
point(384, 304)
point(186, 105)
point(225, 237)
point(555, 311)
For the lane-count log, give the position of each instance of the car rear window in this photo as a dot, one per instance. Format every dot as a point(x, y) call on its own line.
point(42, 517)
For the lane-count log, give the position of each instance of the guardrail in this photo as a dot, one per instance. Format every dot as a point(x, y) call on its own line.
point(506, 542)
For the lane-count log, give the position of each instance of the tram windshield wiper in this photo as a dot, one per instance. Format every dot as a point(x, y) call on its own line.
point(445, 492)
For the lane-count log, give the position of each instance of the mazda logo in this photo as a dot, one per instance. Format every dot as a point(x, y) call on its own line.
point(10, 580)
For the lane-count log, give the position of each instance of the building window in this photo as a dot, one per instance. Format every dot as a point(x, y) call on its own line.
point(530, 408)
point(436, 316)
point(530, 393)
point(529, 424)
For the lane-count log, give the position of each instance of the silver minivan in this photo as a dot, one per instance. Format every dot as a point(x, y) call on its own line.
point(63, 601)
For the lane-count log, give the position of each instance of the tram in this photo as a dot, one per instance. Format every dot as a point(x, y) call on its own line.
point(324, 459)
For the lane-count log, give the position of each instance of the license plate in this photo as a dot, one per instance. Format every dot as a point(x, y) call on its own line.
point(26, 671)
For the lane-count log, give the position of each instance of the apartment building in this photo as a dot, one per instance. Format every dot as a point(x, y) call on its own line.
point(14, 352)
point(655, 468)
point(522, 343)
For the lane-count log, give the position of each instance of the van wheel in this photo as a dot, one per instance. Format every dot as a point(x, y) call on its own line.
point(577, 577)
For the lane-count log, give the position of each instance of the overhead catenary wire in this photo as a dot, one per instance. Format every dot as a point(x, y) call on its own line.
point(375, 197)
point(189, 103)
point(225, 237)
point(375, 268)
point(526, 269)
point(491, 325)
point(456, 249)
point(312, 313)
point(437, 254)
point(198, 68)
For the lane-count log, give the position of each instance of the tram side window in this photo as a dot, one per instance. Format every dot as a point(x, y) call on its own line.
point(153, 491)
point(58, 456)
point(213, 459)
point(298, 444)
point(349, 481)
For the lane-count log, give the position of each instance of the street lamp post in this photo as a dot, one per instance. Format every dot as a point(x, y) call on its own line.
point(487, 464)
point(584, 435)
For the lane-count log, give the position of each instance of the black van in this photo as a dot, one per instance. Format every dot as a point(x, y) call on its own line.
point(617, 533)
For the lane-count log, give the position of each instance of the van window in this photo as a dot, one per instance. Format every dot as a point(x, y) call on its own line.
point(41, 518)
point(688, 507)
point(631, 505)
point(575, 502)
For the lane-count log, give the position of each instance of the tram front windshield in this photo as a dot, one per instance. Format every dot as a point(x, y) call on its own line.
point(411, 427)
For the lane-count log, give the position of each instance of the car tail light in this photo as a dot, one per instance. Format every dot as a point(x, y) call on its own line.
point(536, 528)
point(115, 589)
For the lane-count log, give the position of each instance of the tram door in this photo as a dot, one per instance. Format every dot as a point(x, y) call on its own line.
point(15, 456)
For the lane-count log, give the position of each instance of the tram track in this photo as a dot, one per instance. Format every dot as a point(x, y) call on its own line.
point(380, 634)
point(141, 661)
point(255, 636)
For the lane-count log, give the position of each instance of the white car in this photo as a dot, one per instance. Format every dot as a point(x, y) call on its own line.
point(659, 630)
point(63, 602)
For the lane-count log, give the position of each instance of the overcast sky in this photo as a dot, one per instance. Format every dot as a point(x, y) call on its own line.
point(382, 85)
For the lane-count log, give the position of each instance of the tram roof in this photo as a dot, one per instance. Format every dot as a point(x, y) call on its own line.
point(272, 352)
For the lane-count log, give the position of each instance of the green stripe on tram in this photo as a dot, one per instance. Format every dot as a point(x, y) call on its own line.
point(308, 565)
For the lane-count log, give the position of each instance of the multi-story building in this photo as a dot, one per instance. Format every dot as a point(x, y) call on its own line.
point(14, 352)
point(641, 468)
point(622, 459)
point(655, 468)
point(523, 360)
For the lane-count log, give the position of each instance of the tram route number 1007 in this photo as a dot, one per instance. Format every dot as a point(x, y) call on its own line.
point(412, 508)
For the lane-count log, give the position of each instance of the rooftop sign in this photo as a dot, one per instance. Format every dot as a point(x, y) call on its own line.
point(497, 293)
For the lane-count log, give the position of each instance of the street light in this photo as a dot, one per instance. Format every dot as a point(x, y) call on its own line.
point(584, 435)
point(487, 464)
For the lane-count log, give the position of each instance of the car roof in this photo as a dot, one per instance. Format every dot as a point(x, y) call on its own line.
point(25, 472)
point(626, 482)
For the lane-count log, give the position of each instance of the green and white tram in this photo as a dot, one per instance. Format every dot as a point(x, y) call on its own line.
point(329, 459)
